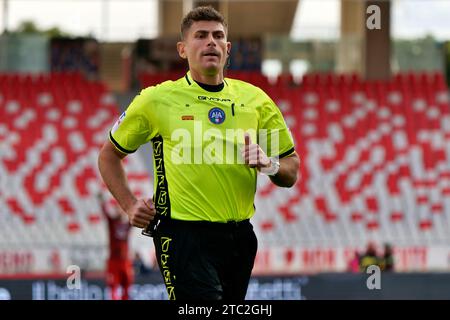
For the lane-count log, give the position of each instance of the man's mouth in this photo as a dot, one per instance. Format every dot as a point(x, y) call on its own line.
point(211, 54)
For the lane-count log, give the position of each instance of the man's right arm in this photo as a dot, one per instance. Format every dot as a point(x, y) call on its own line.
point(140, 212)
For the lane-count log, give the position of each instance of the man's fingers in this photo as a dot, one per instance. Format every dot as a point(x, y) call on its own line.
point(140, 221)
point(251, 153)
point(143, 213)
point(139, 224)
point(247, 139)
point(251, 156)
point(252, 149)
point(147, 207)
point(146, 214)
point(149, 204)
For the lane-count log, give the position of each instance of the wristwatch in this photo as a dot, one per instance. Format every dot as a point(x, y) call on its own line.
point(273, 168)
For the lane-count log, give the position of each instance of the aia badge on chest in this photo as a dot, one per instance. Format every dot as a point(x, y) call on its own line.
point(216, 115)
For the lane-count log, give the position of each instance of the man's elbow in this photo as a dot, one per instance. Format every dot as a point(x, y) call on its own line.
point(293, 172)
point(287, 179)
point(110, 150)
point(292, 176)
point(290, 180)
point(108, 154)
point(103, 156)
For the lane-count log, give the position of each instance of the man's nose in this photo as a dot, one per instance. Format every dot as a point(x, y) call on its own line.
point(211, 40)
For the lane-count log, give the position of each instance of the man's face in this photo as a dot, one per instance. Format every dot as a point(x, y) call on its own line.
point(205, 46)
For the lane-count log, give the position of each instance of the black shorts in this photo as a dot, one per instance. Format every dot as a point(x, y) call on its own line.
point(205, 260)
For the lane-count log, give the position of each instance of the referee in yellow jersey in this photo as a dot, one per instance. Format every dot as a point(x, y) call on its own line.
point(211, 137)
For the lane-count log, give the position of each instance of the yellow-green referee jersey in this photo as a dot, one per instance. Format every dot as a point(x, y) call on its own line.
point(197, 136)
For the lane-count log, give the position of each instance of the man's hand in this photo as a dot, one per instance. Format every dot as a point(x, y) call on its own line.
point(253, 155)
point(141, 213)
point(282, 173)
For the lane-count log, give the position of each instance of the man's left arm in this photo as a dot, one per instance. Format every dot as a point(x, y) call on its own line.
point(282, 172)
point(278, 159)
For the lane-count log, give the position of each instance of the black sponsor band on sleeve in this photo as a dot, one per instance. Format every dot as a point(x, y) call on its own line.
point(118, 146)
point(287, 153)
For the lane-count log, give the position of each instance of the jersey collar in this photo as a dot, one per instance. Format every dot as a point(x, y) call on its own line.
point(206, 87)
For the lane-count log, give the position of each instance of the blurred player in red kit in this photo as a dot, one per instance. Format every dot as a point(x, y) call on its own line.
point(119, 272)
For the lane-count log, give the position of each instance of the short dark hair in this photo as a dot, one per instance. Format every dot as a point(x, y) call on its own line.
point(203, 13)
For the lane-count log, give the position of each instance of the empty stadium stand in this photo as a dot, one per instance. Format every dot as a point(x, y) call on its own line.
point(375, 162)
point(51, 130)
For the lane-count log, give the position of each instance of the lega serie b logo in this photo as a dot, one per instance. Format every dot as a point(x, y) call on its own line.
point(216, 115)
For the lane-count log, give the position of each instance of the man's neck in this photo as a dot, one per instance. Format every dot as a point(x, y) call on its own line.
point(210, 80)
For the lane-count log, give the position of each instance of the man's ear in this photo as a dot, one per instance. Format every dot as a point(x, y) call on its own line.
point(181, 49)
point(228, 48)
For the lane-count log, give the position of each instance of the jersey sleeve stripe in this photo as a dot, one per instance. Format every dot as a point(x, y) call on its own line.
point(287, 153)
point(118, 146)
